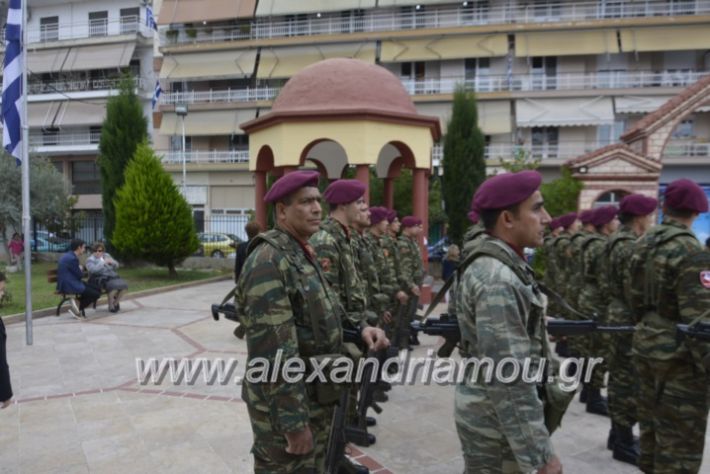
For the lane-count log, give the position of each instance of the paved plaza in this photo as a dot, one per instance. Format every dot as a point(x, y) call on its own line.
point(80, 407)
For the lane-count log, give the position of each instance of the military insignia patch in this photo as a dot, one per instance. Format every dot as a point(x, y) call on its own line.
point(325, 264)
point(705, 278)
point(386, 252)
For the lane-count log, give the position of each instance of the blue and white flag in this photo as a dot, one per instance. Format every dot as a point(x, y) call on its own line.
point(150, 19)
point(156, 93)
point(12, 82)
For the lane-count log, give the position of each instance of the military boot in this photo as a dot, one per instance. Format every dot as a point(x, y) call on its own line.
point(370, 421)
point(625, 447)
point(347, 466)
point(414, 339)
point(612, 437)
point(596, 404)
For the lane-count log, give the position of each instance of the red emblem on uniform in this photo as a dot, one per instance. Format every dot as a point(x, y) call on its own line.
point(386, 252)
point(705, 278)
point(325, 264)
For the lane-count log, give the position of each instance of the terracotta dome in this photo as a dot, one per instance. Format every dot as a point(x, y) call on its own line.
point(344, 84)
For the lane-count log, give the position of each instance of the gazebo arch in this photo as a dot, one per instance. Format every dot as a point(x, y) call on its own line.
point(329, 156)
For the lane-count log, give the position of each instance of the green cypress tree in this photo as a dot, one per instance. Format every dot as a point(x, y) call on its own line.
point(123, 129)
point(464, 162)
point(153, 220)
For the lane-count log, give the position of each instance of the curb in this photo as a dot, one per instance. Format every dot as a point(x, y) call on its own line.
point(44, 312)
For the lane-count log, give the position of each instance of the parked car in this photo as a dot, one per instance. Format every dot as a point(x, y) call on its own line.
point(51, 245)
point(437, 251)
point(215, 244)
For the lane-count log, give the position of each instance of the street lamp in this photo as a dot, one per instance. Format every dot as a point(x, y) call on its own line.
point(181, 111)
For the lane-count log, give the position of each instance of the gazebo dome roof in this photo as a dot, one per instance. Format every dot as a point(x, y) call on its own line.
point(344, 84)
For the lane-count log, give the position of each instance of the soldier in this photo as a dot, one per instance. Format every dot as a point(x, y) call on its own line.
point(387, 278)
point(550, 268)
point(501, 425)
point(290, 310)
point(635, 216)
point(592, 301)
point(472, 233)
point(668, 283)
point(411, 267)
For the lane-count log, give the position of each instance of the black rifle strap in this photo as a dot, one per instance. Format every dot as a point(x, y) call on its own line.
point(439, 296)
point(562, 302)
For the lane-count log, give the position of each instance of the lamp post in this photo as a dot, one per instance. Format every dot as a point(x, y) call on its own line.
point(181, 111)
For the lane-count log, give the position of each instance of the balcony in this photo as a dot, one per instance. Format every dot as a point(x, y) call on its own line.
point(88, 29)
point(173, 157)
point(432, 17)
point(65, 141)
point(228, 95)
point(82, 85)
point(687, 150)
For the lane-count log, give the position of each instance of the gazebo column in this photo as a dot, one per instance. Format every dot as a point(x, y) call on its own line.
point(288, 169)
point(259, 193)
point(420, 199)
point(362, 174)
point(388, 193)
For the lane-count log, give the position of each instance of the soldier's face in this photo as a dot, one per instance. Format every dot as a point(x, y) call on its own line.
point(302, 216)
point(395, 225)
point(527, 228)
point(365, 218)
point(355, 210)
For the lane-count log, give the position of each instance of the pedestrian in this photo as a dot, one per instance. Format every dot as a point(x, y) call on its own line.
point(289, 311)
point(69, 280)
point(252, 229)
point(668, 283)
point(17, 249)
point(5, 385)
point(103, 274)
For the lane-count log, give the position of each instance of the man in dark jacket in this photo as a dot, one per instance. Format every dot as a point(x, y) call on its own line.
point(5, 387)
point(69, 282)
point(252, 229)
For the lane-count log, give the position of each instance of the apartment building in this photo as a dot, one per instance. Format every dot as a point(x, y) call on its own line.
point(554, 78)
point(77, 52)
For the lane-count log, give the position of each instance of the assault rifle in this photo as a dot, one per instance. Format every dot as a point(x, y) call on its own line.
point(405, 313)
point(699, 331)
point(230, 312)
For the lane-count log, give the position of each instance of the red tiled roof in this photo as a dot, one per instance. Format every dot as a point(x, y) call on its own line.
point(598, 152)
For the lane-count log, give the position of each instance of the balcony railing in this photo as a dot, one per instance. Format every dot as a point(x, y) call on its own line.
point(228, 95)
point(90, 28)
point(687, 149)
point(205, 156)
point(79, 85)
point(432, 17)
point(65, 138)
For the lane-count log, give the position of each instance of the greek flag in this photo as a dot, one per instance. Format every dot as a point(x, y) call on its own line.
point(150, 19)
point(12, 82)
point(156, 93)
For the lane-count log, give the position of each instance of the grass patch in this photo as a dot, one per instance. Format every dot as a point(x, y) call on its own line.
point(138, 278)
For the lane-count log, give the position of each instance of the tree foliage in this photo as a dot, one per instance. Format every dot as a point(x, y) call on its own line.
point(123, 129)
point(522, 160)
point(153, 220)
point(561, 195)
point(464, 162)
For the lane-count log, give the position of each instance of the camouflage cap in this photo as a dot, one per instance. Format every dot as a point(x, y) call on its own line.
point(637, 205)
point(290, 183)
point(344, 191)
point(686, 195)
point(506, 190)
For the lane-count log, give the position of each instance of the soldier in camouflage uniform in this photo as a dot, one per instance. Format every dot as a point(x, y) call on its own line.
point(501, 425)
point(375, 236)
point(592, 301)
point(550, 268)
point(473, 234)
point(367, 254)
point(668, 282)
point(635, 216)
point(289, 307)
point(411, 267)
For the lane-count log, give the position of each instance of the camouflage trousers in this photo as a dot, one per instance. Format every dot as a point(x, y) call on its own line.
point(623, 385)
point(269, 448)
point(672, 413)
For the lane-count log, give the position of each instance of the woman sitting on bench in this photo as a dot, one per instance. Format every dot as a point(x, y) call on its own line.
point(69, 282)
point(102, 274)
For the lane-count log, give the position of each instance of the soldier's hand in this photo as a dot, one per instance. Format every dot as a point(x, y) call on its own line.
point(375, 339)
point(553, 466)
point(415, 290)
point(387, 317)
point(300, 442)
point(6, 404)
point(401, 297)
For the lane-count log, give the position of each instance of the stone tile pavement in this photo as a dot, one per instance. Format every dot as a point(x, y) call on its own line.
point(80, 407)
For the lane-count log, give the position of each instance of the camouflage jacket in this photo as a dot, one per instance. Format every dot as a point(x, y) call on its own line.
point(471, 238)
point(557, 258)
point(617, 254)
point(573, 262)
point(412, 269)
point(550, 270)
point(501, 316)
point(366, 251)
point(336, 254)
point(653, 277)
point(591, 300)
point(694, 305)
point(392, 257)
point(287, 307)
point(385, 270)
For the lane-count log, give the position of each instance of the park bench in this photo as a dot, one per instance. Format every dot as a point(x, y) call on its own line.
point(52, 278)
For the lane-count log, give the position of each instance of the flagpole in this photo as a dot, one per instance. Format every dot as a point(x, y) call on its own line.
point(26, 183)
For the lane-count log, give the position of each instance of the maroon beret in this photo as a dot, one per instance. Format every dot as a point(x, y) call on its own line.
point(603, 215)
point(391, 215)
point(290, 183)
point(344, 191)
point(377, 215)
point(554, 223)
point(686, 195)
point(566, 220)
point(473, 217)
point(505, 190)
point(411, 221)
point(637, 205)
point(586, 216)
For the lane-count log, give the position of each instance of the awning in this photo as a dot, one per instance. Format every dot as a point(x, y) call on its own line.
point(493, 116)
point(74, 113)
point(638, 104)
point(564, 112)
point(570, 42)
point(105, 56)
point(41, 114)
point(436, 109)
point(290, 7)
point(665, 38)
point(233, 64)
point(205, 123)
point(231, 197)
point(404, 3)
point(445, 47)
point(285, 62)
point(46, 60)
point(195, 11)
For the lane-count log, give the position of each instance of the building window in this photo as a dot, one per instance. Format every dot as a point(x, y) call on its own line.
point(545, 141)
point(684, 129)
point(85, 177)
point(238, 142)
point(544, 10)
point(297, 24)
point(610, 133)
point(98, 23)
point(50, 136)
point(544, 72)
point(412, 17)
point(476, 74)
point(474, 12)
point(609, 198)
point(176, 143)
point(94, 134)
point(416, 70)
point(129, 20)
point(49, 28)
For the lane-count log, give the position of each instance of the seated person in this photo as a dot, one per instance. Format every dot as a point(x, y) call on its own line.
point(69, 282)
point(102, 274)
